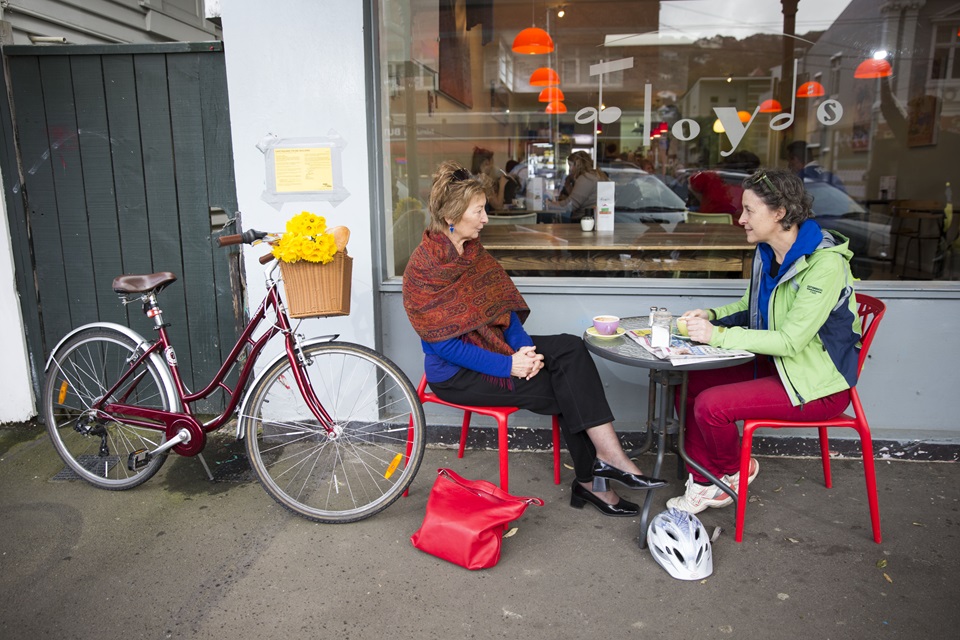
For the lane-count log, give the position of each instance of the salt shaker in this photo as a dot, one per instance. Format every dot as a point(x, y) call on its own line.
point(660, 331)
point(653, 312)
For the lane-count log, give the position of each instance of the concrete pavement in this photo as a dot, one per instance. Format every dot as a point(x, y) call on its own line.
point(183, 557)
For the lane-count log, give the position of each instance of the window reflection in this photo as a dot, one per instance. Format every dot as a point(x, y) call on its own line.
point(712, 90)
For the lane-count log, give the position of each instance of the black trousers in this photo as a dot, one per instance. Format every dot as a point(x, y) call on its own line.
point(568, 386)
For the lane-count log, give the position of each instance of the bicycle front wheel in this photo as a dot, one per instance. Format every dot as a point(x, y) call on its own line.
point(94, 446)
point(365, 463)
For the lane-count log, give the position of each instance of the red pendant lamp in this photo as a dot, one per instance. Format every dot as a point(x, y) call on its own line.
point(873, 68)
point(556, 107)
point(551, 94)
point(811, 89)
point(770, 106)
point(544, 77)
point(533, 40)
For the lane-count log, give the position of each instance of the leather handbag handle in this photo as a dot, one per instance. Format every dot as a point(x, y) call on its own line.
point(471, 485)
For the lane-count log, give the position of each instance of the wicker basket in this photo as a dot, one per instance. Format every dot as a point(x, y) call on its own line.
point(318, 290)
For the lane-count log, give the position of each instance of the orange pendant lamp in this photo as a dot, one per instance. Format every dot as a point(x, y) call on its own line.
point(556, 107)
point(544, 77)
point(873, 68)
point(551, 94)
point(811, 89)
point(533, 40)
point(770, 106)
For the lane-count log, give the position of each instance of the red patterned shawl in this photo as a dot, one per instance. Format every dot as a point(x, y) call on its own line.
point(447, 295)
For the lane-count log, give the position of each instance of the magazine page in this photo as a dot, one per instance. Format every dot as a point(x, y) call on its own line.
point(683, 350)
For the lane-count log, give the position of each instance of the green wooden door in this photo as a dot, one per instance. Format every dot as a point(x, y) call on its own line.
point(113, 159)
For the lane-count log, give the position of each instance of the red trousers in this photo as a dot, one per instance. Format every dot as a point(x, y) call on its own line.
point(717, 398)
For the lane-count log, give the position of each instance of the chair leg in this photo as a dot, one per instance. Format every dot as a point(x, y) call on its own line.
point(556, 450)
point(406, 491)
point(463, 432)
point(825, 457)
point(869, 472)
point(502, 447)
point(746, 444)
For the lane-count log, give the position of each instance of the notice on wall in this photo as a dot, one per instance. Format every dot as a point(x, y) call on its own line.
point(303, 169)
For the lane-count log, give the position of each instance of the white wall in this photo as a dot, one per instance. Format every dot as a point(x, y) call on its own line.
point(296, 69)
point(17, 402)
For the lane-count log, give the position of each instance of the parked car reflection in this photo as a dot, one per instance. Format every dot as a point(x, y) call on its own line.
point(869, 232)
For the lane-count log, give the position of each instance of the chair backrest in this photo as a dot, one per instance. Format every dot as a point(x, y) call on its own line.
point(709, 218)
point(870, 310)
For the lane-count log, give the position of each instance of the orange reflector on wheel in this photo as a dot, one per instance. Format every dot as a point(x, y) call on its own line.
point(393, 466)
point(63, 392)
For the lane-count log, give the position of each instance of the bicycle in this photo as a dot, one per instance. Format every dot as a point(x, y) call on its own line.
point(333, 430)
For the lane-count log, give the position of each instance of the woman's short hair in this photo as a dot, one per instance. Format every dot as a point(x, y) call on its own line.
point(782, 188)
point(453, 189)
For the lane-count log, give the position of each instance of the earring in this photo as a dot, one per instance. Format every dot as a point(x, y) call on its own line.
point(451, 228)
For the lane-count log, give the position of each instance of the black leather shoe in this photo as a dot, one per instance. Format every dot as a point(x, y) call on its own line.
point(630, 480)
point(622, 509)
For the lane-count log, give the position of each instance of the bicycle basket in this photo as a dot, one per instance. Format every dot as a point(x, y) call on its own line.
point(318, 290)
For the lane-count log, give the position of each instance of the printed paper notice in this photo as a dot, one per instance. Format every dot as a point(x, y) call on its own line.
point(300, 170)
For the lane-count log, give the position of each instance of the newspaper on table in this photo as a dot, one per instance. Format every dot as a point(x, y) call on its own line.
point(682, 350)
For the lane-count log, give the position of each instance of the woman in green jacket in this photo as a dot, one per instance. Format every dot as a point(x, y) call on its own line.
point(798, 314)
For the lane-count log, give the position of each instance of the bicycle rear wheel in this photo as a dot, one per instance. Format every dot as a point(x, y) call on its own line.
point(366, 464)
point(96, 449)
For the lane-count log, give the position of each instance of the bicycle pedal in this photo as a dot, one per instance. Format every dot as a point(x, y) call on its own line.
point(138, 459)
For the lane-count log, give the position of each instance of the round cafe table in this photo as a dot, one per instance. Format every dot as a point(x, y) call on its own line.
point(665, 379)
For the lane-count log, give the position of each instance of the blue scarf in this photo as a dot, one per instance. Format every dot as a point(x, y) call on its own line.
point(808, 239)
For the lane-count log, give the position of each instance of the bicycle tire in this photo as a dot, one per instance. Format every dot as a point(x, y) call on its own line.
point(80, 372)
point(361, 471)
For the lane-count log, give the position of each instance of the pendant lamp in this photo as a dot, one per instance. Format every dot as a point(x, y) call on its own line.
point(811, 89)
point(544, 77)
point(551, 94)
point(556, 107)
point(770, 106)
point(533, 40)
point(873, 68)
point(744, 116)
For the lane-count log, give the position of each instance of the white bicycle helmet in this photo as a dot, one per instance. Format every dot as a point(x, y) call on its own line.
point(680, 544)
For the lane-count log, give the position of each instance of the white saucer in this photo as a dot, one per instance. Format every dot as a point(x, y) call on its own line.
point(591, 331)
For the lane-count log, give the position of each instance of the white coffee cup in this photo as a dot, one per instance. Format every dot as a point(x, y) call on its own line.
point(587, 224)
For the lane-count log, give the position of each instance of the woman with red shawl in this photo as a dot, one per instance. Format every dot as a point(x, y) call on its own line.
point(469, 315)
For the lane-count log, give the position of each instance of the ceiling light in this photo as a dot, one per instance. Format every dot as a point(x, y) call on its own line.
point(533, 40)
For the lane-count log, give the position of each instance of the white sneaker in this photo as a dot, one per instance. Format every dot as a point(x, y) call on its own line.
point(698, 497)
point(733, 481)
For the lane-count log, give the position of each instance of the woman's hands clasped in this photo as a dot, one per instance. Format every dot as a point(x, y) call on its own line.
point(699, 327)
point(526, 363)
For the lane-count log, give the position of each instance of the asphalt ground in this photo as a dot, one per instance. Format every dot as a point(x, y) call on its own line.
point(184, 557)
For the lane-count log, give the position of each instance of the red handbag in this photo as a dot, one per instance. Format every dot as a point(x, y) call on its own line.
point(465, 520)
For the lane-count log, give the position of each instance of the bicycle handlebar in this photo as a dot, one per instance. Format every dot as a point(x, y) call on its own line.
point(247, 237)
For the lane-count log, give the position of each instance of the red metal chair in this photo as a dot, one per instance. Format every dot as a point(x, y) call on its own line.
point(871, 311)
point(500, 414)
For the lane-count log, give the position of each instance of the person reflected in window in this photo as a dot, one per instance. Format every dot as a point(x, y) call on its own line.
point(583, 195)
point(469, 316)
point(800, 162)
point(799, 314)
point(482, 166)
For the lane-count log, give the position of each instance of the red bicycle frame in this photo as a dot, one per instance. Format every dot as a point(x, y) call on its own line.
point(173, 421)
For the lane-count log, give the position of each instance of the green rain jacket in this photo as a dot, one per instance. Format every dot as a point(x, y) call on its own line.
point(813, 330)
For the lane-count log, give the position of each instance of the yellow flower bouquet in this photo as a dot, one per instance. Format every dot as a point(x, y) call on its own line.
point(306, 238)
point(315, 265)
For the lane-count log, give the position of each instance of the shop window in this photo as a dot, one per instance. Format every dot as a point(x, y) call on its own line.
point(870, 140)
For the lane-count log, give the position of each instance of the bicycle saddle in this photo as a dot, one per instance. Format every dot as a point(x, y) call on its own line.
point(144, 283)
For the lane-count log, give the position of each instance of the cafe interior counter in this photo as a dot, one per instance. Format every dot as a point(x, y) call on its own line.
point(679, 247)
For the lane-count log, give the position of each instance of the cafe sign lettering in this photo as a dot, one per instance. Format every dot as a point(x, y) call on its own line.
point(829, 113)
